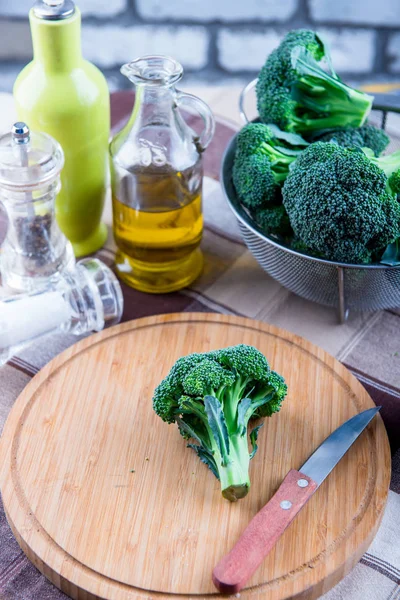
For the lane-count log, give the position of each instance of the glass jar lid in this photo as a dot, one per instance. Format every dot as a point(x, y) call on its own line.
point(29, 160)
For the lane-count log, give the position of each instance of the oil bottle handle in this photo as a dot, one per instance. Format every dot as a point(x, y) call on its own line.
point(242, 97)
point(205, 113)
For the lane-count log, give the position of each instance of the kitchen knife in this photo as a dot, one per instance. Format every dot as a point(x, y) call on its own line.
point(235, 569)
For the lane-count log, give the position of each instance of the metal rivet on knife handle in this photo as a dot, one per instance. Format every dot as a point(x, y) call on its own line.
point(302, 483)
point(285, 504)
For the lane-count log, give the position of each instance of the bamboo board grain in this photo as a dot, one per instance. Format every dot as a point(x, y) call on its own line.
point(108, 503)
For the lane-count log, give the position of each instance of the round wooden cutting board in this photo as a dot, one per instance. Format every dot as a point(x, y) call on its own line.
point(108, 502)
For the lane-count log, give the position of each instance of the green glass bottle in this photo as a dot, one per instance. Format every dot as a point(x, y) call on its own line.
point(67, 97)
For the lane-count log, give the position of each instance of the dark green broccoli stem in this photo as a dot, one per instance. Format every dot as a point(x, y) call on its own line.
point(325, 94)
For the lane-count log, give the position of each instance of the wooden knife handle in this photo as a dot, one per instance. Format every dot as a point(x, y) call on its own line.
point(235, 569)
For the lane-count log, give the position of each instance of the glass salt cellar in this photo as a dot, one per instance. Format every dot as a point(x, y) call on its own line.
point(157, 172)
point(87, 298)
point(34, 251)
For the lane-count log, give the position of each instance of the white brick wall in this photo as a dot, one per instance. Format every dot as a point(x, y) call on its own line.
point(111, 45)
point(352, 49)
point(101, 8)
point(223, 39)
point(15, 8)
point(211, 10)
point(394, 53)
point(374, 12)
point(245, 50)
point(15, 40)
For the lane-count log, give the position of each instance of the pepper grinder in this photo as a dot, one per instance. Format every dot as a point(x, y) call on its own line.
point(67, 97)
point(34, 251)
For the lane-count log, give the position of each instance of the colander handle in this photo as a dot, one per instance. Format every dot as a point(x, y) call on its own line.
point(242, 98)
point(386, 102)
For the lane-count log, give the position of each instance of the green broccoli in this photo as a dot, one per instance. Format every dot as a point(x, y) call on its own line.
point(299, 246)
point(297, 94)
point(262, 159)
point(212, 397)
point(254, 181)
point(341, 202)
point(390, 165)
point(359, 137)
point(394, 182)
point(273, 220)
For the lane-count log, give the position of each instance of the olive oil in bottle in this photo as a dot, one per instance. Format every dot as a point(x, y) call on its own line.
point(158, 242)
point(157, 173)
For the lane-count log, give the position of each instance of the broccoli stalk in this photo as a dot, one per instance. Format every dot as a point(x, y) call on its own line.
point(227, 453)
point(213, 397)
point(324, 101)
point(280, 159)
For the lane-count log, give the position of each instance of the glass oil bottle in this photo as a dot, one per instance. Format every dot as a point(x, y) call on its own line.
point(157, 172)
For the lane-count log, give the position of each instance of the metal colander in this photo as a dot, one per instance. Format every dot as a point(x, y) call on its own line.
point(340, 285)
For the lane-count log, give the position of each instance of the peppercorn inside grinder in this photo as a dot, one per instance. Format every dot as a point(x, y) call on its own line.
point(34, 251)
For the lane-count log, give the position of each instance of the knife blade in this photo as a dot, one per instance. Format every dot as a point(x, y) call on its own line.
point(235, 569)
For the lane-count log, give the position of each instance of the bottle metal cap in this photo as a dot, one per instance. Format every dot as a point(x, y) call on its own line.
point(53, 10)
